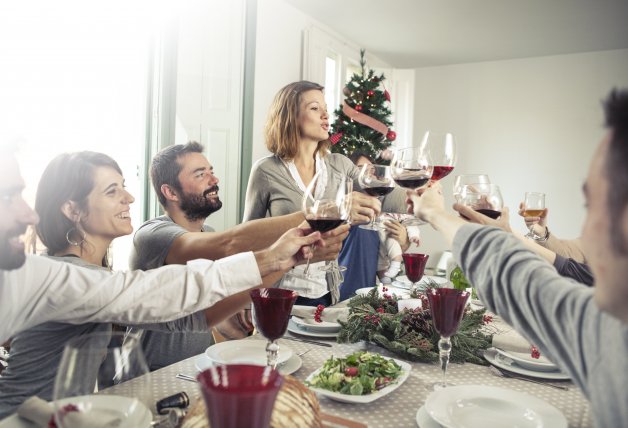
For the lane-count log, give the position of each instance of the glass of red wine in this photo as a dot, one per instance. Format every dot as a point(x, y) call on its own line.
point(412, 169)
point(447, 307)
point(375, 180)
point(415, 266)
point(271, 310)
point(442, 150)
point(483, 198)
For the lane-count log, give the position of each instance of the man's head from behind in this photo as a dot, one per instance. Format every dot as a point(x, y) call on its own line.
point(605, 232)
point(182, 175)
point(15, 214)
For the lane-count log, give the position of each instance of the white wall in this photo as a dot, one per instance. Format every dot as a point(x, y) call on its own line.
point(531, 124)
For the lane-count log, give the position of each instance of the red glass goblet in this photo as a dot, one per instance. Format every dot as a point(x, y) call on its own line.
point(272, 308)
point(447, 308)
point(240, 395)
point(415, 266)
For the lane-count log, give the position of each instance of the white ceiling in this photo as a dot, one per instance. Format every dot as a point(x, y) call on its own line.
point(422, 33)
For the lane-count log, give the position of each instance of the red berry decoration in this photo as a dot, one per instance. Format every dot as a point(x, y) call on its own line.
point(370, 93)
point(336, 137)
point(534, 352)
point(318, 312)
point(391, 135)
point(486, 319)
point(358, 108)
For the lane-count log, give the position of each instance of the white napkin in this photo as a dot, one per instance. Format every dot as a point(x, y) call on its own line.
point(40, 412)
point(511, 341)
point(329, 314)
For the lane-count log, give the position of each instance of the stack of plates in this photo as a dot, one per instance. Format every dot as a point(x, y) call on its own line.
point(247, 351)
point(312, 328)
point(472, 406)
point(523, 363)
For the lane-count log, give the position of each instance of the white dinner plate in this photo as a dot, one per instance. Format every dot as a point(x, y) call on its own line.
point(368, 398)
point(244, 351)
point(293, 328)
point(403, 282)
point(140, 417)
point(525, 360)
point(424, 420)
point(479, 406)
point(311, 325)
point(294, 363)
point(503, 363)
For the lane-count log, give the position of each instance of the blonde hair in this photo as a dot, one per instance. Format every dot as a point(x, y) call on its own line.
point(282, 128)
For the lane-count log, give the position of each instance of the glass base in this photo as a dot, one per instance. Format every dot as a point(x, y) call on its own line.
point(437, 386)
point(370, 226)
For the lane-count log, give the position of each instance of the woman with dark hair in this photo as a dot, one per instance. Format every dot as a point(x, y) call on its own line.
point(297, 133)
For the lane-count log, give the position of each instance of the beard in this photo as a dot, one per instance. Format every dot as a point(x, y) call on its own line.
point(196, 207)
point(11, 258)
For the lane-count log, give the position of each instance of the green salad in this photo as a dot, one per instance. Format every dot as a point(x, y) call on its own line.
point(360, 373)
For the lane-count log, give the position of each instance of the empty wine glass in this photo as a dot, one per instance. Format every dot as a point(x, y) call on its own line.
point(533, 206)
point(375, 180)
point(462, 180)
point(442, 150)
point(99, 361)
point(271, 310)
point(483, 198)
point(447, 307)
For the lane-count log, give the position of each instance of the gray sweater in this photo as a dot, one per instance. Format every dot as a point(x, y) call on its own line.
point(557, 314)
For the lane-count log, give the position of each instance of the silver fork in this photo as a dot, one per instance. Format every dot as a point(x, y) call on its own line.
point(501, 373)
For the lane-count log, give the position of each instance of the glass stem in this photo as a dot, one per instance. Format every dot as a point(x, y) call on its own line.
point(444, 349)
point(272, 349)
point(307, 265)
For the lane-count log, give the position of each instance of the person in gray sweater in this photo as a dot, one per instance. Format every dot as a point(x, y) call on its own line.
point(584, 330)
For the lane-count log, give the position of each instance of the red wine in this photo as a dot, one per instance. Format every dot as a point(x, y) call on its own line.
point(415, 265)
point(324, 224)
point(412, 182)
point(494, 214)
point(378, 191)
point(272, 310)
point(447, 308)
point(441, 172)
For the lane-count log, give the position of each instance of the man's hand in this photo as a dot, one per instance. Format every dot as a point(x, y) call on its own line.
point(364, 208)
point(291, 248)
point(398, 232)
point(425, 203)
point(503, 222)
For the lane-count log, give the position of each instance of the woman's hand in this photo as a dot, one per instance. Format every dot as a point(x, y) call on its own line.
point(426, 202)
point(398, 232)
point(503, 222)
point(538, 224)
point(333, 244)
point(364, 208)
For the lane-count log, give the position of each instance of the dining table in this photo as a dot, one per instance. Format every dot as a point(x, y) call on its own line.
point(397, 409)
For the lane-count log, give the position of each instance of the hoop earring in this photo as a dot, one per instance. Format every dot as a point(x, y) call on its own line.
point(75, 243)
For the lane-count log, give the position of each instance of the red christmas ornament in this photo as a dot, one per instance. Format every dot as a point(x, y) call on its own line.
point(335, 138)
point(387, 95)
point(391, 135)
point(370, 93)
point(358, 108)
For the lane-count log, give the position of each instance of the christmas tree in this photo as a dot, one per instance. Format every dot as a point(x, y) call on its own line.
point(363, 120)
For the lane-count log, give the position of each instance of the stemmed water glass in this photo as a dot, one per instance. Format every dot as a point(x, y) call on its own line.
point(447, 307)
point(483, 198)
point(93, 362)
point(442, 150)
point(271, 309)
point(415, 266)
point(468, 179)
point(375, 180)
point(533, 206)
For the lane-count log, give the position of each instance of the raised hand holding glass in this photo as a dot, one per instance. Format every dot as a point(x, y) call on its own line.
point(375, 180)
point(533, 206)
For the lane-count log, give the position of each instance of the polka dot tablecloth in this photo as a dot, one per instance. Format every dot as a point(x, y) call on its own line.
point(397, 409)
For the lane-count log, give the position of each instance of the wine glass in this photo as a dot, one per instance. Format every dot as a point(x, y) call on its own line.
point(415, 266)
point(271, 310)
point(463, 180)
point(411, 169)
point(442, 150)
point(533, 206)
point(99, 361)
point(447, 307)
point(375, 180)
point(483, 198)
